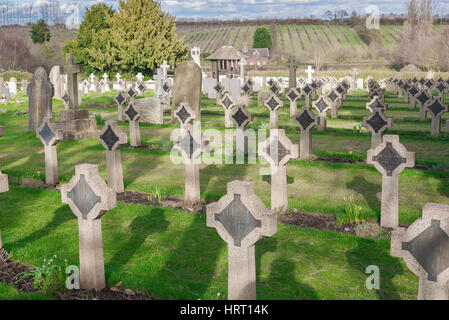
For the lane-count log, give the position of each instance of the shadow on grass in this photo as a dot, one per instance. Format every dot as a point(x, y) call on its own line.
point(369, 253)
point(60, 216)
point(369, 191)
point(282, 273)
point(141, 227)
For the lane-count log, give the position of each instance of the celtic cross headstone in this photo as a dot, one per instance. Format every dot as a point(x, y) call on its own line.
point(120, 99)
point(390, 158)
point(436, 108)
point(89, 199)
point(292, 65)
point(293, 95)
point(50, 136)
point(424, 246)
point(241, 219)
point(306, 91)
point(133, 115)
point(377, 123)
point(273, 103)
point(322, 105)
point(335, 98)
point(376, 103)
point(422, 97)
point(278, 150)
point(112, 137)
point(306, 120)
point(228, 103)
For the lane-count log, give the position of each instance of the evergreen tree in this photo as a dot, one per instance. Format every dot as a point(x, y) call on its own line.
point(40, 33)
point(262, 38)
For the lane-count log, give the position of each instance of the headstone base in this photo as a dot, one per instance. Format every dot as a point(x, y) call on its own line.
point(75, 124)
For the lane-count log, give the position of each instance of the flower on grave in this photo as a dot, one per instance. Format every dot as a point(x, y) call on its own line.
point(350, 152)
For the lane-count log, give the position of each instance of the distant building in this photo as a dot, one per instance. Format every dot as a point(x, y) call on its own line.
point(225, 62)
point(258, 57)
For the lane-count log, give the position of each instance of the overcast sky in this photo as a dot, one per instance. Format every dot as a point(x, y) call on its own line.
point(250, 9)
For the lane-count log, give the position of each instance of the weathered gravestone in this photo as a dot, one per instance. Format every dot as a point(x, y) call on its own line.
point(242, 118)
point(273, 103)
point(150, 110)
point(50, 136)
point(261, 97)
point(306, 91)
point(187, 88)
point(133, 116)
point(275, 88)
point(390, 158)
point(228, 103)
point(424, 246)
point(413, 91)
point(4, 187)
point(75, 123)
point(322, 105)
point(278, 150)
point(219, 89)
point(120, 99)
point(422, 98)
point(376, 103)
point(377, 123)
point(436, 108)
point(57, 81)
point(241, 219)
point(12, 85)
point(293, 95)
point(335, 99)
point(292, 65)
point(112, 137)
point(40, 94)
point(306, 120)
point(190, 145)
point(89, 199)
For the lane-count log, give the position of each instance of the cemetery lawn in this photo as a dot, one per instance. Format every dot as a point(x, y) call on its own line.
point(171, 254)
point(313, 186)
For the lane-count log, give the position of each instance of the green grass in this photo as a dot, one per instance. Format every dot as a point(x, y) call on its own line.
point(171, 254)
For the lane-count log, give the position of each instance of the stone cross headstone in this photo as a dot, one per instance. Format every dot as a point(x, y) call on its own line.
point(278, 150)
point(196, 55)
point(165, 68)
point(390, 158)
point(309, 72)
point(273, 103)
point(4, 187)
point(133, 115)
point(242, 118)
point(354, 75)
point(106, 87)
point(436, 108)
point(72, 70)
point(376, 103)
point(422, 98)
point(228, 103)
point(293, 95)
point(112, 137)
point(413, 91)
point(50, 136)
point(306, 120)
point(247, 88)
point(275, 88)
point(40, 93)
point(242, 64)
point(322, 105)
point(184, 114)
point(89, 199)
point(219, 89)
point(335, 99)
point(66, 100)
point(292, 65)
point(190, 145)
point(307, 90)
point(241, 219)
point(187, 88)
point(377, 123)
point(120, 99)
point(424, 246)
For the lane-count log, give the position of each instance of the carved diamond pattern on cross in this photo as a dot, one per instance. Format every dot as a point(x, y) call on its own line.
point(389, 159)
point(66, 98)
point(333, 96)
point(436, 107)
point(275, 88)
point(227, 102)
point(109, 138)
point(321, 105)
point(305, 118)
point(184, 113)
point(413, 91)
point(376, 103)
point(292, 95)
point(237, 220)
point(120, 99)
point(83, 197)
point(219, 88)
point(132, 113)
point(273, 103)
point(46, 134)
point(240, 117)
point(376, 121)
point(427, 249)
point(422, 97)
point(131, 93)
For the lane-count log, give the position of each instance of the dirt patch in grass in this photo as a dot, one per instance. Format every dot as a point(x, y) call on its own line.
point(316, 221)
point(105, 294)
point(10, 269)
point(169, 202)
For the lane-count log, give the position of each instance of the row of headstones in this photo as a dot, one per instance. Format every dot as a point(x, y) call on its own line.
point(9, 89)
point(421, 92)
